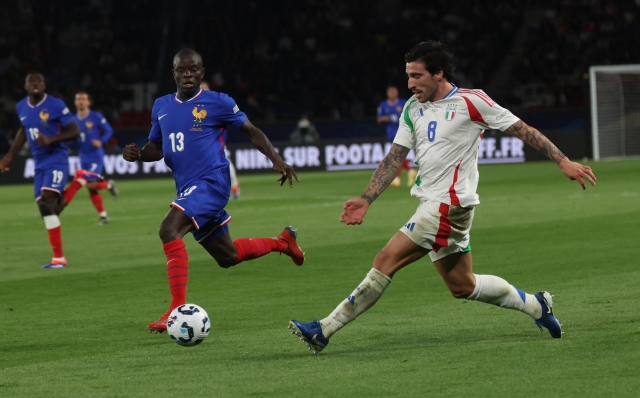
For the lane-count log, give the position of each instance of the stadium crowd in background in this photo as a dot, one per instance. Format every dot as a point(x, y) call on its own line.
point(279, 65)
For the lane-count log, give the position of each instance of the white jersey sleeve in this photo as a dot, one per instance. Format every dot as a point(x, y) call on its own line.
point(406, 132)
point(485, 112)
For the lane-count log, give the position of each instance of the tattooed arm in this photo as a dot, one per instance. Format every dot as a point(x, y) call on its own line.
point(355, 209)
point(573, 170)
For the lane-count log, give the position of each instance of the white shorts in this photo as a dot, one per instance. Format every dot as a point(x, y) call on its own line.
point(441, 228)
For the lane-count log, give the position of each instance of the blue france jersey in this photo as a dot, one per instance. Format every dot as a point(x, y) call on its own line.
point(93, 127)
point(191, 133)
point(47, 118)
point(394, 111)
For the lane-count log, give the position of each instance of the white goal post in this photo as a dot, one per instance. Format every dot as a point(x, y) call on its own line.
point(615, 110)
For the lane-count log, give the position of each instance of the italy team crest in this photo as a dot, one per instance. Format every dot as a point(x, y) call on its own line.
point(89, 125)
point(451, 112)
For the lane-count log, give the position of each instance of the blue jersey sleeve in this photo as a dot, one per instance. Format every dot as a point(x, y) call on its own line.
point(155, 134)
point(64, 116)
point(107, 131)
point(379, 110)
point(230, 113)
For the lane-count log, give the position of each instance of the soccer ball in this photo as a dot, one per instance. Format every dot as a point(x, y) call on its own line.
point(188, 325)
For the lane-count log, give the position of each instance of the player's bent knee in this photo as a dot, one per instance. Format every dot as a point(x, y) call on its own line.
point(168, 234)
point(460, 292)
point(226, 261)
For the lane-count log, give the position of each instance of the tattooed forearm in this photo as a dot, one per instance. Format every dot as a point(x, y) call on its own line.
point(536, 139)
point(385, 173)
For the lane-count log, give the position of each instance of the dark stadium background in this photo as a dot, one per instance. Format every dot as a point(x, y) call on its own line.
point(329, 59)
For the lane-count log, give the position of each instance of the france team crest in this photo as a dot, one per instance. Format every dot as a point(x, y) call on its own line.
point(198, 114)
point(451, 112)
point(44, 116)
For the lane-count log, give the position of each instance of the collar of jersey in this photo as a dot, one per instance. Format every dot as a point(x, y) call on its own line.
point(85, 116)
point(190, 99)
point(453, 91)
point(39, 103)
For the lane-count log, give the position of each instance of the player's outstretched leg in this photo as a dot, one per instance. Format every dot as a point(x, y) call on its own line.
point(177, 274)
point(52, 223)
point(286, 242)
point(81, 179)
point(47, 205)
point(96, 199)
point(317, 333)
point(497, 291)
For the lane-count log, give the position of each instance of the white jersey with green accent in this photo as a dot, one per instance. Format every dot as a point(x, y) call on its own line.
point(445, 135)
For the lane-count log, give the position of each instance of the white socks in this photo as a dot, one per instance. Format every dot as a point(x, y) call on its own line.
point(363, 298)
point(103, 213)
point(51, 222)
point(495, 290)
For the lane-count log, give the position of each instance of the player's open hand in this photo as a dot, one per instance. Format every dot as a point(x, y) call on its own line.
point(354, 211)
point(577, 171)
point(131, 153)
point(43, 140)
point(287, 172)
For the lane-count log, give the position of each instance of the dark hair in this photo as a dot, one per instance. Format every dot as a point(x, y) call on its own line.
point(186, 52)
point(33, 72)
point(435, 56)
point(85, 92)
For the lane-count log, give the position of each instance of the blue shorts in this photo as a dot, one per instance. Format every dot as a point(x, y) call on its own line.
point(203, 201)
point(92, 164)
point(51, 176)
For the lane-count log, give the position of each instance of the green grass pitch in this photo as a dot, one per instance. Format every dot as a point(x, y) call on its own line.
point(81, 331)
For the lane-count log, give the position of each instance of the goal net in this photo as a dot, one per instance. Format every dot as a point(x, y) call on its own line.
point(615, 110)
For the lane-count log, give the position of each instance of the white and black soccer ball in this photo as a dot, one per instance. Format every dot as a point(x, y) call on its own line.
point(188, 325)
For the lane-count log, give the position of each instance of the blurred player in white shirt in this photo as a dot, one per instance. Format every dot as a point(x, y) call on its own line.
point(444, 124)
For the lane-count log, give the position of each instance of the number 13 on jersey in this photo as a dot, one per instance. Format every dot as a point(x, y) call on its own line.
point(177, 142)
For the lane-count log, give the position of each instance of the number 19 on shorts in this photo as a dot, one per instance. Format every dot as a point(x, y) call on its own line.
point(177, 142)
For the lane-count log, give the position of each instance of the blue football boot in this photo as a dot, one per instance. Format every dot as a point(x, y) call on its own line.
point(310, 333)
point(56, 263)
point(548, 320)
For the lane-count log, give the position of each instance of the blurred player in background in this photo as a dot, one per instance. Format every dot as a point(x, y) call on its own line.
point(95, 131)
point(46, 123)
point(235, 184)
point(443, 123)
point(187, 129)
point(389, 112)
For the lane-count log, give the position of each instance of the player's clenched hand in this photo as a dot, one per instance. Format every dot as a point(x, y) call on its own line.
point(43, 140)
point(131, 153)
point(4, 164)
point(354, 211)
point(96, 143)
point(288, 173)
point(577, 171)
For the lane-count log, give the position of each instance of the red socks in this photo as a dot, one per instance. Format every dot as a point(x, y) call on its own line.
point(97, 202)
point(248, 249)
point(405, 165)
point(52, 223)
point(55, 238)
point(177, 271)
point(102, 185)
point(71, 191)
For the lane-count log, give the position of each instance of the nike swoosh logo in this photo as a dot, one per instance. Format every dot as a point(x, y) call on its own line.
point(23, 117)
point(160, 117)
